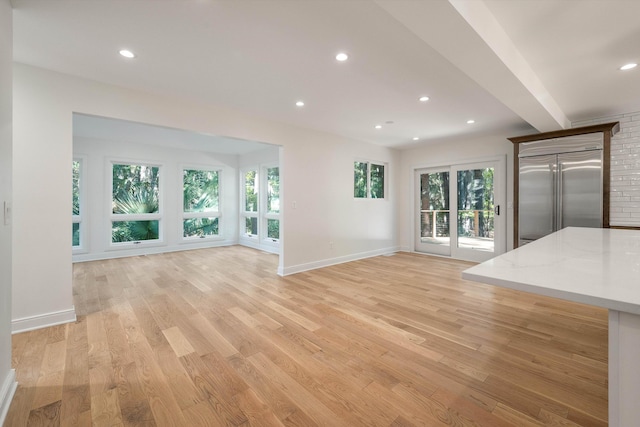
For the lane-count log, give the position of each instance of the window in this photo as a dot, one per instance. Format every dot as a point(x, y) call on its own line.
point(272, 214)
point(76, 236)
point(135, 212)
point(260, 205)
point(250, 198)
point(201, 203)
point(368, 180)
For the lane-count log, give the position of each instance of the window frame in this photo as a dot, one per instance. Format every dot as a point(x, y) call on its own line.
point(385, 174)
point(157, 216)
point(205, 214)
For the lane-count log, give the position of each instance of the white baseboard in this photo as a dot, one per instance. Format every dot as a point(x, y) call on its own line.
point(149, 250)
point(333, 261)
point(7, 391)
point(43, 320)
point(272, 249)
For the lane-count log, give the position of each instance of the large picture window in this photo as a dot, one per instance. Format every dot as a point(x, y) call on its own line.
point(368, 180)
point(201, 203)
point(135, 212)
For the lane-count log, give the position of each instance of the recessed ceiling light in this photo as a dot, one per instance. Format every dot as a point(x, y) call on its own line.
point(415, 138)
point(342, 56)
point(470, 122)
point(378, 126)
point(424, 99)
point(628, 66)
point(127, 53)
point(300, 104)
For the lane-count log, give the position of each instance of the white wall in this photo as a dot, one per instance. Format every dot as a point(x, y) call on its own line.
point(268, 155)
point(328, 225)
point(624, 207)
point(452, 151)
point(97, 154)
point(7, 375)
point(316, 172)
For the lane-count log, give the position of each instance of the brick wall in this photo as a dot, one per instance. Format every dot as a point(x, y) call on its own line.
point(625, 168)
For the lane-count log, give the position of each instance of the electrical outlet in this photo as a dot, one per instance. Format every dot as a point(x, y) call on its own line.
point(330, 245)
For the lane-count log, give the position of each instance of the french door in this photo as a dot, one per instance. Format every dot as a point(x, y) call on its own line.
point(460, 210)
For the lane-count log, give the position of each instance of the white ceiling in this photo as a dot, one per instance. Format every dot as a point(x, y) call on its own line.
point(511, 65)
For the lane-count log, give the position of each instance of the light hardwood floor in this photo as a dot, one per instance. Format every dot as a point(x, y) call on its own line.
point(214, 337)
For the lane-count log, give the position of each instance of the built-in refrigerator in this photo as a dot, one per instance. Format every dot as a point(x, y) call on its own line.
point(560, 185)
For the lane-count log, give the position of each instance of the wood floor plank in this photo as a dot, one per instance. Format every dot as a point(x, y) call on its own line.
point(105, 409)
point(48, 415)
point(48, 389)
point(214, 389)
point(258, 413)
point(203, 414)
point(295, 317)
point(303, 399)
point(219, 342)
point(515, 418)
point(180, 345)
point(274, 397)
point(419, 405)
point(215, 337)
point(134, 405)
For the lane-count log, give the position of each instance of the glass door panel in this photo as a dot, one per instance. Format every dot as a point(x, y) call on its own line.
point(434, 216)
point(479, 191)
point(475, 220)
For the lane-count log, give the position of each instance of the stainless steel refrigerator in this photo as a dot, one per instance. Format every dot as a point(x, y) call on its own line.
point(560, 185)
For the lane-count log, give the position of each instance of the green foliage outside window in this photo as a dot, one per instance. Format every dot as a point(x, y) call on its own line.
point(475, 203)
point(200, 227)
point(200, 191)
point(273, 229)
point(359, 179)
point(377, 181)
point(133, 231)
point(273, 190)
point(434, 196)
point(75, 232)
point(135, 190)
point(76, 187)
point(251, 192)
point(251, 226)
point(368, 180)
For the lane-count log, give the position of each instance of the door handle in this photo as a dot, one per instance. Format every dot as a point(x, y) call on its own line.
point(496, 209)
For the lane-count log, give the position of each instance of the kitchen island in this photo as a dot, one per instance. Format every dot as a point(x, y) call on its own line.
point(594, 266)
